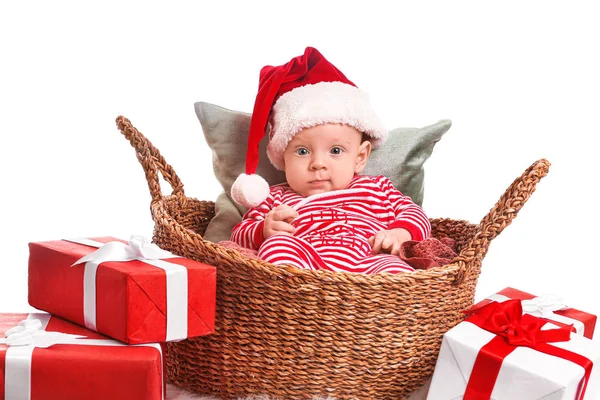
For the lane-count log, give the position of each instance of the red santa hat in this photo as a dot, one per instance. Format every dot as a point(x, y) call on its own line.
point(305, 92)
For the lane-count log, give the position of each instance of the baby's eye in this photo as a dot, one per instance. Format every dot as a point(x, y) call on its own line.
point(336, 150)
point(302, 151)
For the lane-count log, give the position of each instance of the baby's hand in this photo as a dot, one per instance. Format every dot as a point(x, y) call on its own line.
point(389, 241)
point(278, 221)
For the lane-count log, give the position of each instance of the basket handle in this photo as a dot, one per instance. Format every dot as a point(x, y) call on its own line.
point(500, 216)
point(152, 161)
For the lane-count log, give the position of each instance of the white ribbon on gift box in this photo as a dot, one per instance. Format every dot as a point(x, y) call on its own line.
point(139, 248)
point(544, 307)
point(31, 334)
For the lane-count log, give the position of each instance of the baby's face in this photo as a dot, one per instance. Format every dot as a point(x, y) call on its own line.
point(324, 158)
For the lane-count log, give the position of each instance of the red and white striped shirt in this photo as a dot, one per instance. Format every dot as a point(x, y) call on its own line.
point(332, 228)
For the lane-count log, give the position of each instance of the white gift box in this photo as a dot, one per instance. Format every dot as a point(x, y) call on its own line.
point(525, 373)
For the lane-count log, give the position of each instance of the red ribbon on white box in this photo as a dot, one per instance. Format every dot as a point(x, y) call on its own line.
point(31, 334)
point(512, 329)
point(544, 307)
point(138, 248)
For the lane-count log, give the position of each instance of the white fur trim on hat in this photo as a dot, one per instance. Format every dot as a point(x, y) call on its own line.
point(321, 103)
point(249, 190)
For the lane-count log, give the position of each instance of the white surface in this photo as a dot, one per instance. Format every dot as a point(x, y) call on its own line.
point(519, 81)
point(176, 393)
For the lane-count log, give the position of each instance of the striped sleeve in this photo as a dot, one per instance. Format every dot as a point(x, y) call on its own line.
point(249, 232)
point(408, 215)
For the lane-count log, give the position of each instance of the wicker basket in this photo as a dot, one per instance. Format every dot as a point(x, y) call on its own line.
point(296, 334)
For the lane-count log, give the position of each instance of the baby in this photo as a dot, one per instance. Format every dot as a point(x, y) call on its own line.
point(326, 216)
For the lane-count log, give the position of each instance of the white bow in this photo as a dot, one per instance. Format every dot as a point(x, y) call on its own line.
point(544, 305)
point(139, 248)
point(29, 332)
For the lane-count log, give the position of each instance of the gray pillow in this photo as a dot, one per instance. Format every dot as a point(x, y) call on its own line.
point(401, 159)
point(227, 215)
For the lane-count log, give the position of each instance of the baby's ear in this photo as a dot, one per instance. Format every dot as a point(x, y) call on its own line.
point(364, 150)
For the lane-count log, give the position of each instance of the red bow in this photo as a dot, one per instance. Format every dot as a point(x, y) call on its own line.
point(506, 319)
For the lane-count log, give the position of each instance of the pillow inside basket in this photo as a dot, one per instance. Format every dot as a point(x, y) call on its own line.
point(401, 159)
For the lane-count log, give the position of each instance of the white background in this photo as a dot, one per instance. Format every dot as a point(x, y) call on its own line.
point(520, 81)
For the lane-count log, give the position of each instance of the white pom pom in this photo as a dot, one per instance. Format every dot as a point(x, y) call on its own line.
point(249, 190)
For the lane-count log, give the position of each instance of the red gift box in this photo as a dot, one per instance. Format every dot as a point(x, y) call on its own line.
point(89, 367)
point(584, 323)
point(136, 301)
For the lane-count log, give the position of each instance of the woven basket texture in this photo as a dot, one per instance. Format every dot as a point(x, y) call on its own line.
point(291, 333)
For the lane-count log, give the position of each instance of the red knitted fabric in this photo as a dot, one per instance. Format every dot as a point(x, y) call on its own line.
point(428, 253)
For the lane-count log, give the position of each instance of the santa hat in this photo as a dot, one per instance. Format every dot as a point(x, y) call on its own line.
point(305, 92)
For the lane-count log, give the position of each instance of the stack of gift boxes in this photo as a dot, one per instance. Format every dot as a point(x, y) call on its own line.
point(110, 307)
